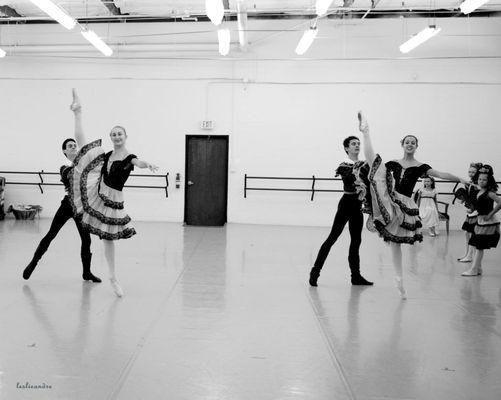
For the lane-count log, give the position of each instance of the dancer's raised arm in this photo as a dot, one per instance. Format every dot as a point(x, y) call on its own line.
point(144, 164)
point(363, 126)
point(446, 176)
point(76, 107)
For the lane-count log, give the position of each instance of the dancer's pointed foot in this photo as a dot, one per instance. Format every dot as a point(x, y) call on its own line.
point(29, 270)
point(360, 280)
point(88, 276)
point(116, 287)
point(400, 287)
point(465, 259)
point(314, 274)
point(473, 271)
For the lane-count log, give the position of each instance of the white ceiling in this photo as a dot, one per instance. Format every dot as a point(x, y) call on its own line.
point(255, 8)
point(269, 21)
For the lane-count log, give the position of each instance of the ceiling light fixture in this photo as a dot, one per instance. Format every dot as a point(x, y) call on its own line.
point(55, 12)
point(306, 41)
point(224, 38)
point(97, 42)
point(214, 10)
point(468, 6)
point(419, 38)
point(322, 6)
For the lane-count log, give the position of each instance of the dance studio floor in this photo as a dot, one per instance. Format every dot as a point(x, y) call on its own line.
point(226, 313)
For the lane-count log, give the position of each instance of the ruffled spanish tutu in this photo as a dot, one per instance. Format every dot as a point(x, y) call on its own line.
point(486, 233)
point(98, 206)
point(394, 216)
point(470, 222)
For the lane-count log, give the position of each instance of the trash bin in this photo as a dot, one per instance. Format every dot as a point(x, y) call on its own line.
point(24, 211)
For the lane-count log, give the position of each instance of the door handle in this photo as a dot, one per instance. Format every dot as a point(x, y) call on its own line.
point(190, 183)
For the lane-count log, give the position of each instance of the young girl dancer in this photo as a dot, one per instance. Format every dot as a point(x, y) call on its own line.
point(426, 199)
point(468, 196)
point(394, 213)
point(486, 232)
point(96, 185)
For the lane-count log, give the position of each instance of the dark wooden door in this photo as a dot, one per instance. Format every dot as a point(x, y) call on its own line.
point(206, 183)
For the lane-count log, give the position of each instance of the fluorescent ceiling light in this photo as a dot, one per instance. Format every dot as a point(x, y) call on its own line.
point(97, 42)
point(214, 10)
point(419, 38)
point(224, 38)
point(306, 41)
point(468, 6)
point(2, 53)
point(55, 12)
point(322, 6)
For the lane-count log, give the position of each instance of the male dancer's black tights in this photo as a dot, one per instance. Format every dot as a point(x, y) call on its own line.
point(348, 211)
point(63, 214)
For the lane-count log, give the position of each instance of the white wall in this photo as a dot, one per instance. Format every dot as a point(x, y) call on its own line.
point(288, 118)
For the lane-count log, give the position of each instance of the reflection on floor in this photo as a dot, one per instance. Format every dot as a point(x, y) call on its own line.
point(226, 313)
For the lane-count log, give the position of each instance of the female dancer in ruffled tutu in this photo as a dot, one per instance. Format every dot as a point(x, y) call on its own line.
point(96, 185)
point(394, 214)
point(426, 199)
point(468, 196)
point(486, 232)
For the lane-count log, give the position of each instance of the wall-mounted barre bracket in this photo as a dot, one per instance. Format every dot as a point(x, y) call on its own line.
point(313, 187)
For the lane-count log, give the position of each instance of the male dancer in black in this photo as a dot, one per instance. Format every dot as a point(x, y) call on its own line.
point(355, 184)
point(63, 214)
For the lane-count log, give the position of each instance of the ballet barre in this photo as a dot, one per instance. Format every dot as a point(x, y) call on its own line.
point(314, 180)
point(42, 183)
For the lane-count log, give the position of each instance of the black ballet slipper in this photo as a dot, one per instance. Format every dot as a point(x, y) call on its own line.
point(29, 270)
point(314, 274)
point(360, 280)
point(88, 276)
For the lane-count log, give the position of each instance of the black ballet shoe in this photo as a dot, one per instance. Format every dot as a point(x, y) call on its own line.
point(314, 274)
point(29, 270)
point(360, 280)
point(88, 276)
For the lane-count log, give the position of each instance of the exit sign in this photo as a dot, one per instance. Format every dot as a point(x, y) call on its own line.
point(207, 125)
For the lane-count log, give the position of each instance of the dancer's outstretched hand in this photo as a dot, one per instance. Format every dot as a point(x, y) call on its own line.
point(363, 126)
point(152, 167)
point(75, 106)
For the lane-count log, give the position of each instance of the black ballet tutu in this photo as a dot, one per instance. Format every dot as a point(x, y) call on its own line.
point(486, 233)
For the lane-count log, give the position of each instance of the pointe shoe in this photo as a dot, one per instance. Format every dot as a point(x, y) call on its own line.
point(473, 271)
point(88, 276)
point(400, 287)
point(314, 274)
point(479, 270)
point(116, 287)
point(465, 260)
